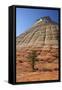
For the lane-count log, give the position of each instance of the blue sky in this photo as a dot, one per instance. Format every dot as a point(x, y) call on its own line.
point(26, 17)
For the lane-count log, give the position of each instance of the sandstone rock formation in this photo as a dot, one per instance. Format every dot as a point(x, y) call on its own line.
point(43, 37)
point(44, 33)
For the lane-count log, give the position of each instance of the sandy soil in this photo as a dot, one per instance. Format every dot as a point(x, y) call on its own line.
point(37, 76)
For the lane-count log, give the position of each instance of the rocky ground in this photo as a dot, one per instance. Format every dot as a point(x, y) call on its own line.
point(47, 67)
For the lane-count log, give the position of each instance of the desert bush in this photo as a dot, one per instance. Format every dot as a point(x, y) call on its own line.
point(32, 57)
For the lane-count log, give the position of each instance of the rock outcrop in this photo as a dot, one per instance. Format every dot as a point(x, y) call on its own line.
point(44, 33)
point(42, 38)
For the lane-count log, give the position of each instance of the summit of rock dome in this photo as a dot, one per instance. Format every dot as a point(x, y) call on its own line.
point(44, 33)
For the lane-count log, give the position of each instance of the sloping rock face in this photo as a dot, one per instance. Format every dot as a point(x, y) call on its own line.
point(42, 37)
point(43, 33)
